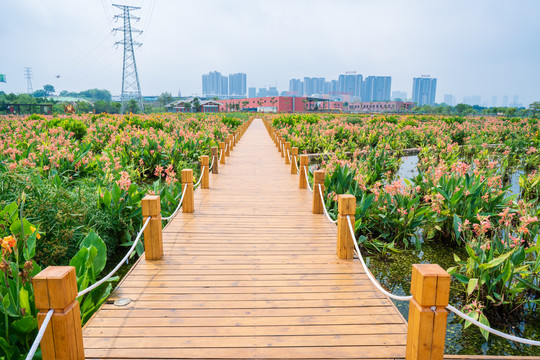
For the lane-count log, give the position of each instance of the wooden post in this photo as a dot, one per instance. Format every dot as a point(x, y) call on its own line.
point(430, 288)
point(294, 156)
point(215, 159)
point(318, 180)
point(222, 152)
point(287, 152)
point(282, 146)
point(228, 146)
point(187, 180)
point(56, 288)
point(303, 168)
point(205, 183)
point(231, 142)
point(236, 137)
point(345, 244)
point(153, 241)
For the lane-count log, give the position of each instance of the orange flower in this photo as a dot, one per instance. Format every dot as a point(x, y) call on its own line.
point(7, 243)
point(33, 229)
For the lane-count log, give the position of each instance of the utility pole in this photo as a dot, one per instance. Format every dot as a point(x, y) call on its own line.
point(131, 88)
point(28, 76)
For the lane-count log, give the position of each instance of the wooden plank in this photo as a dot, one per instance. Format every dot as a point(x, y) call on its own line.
point(251, 273)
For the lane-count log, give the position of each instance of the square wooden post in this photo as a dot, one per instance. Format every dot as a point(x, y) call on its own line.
point(282, 146)
point(287, 152)
point(205, 183)
point(215, 159)
point(56, 288)
point(231, 142)
point(222, 152)
point(294, 157)
point(318, 181)
point(430, 288)
point(187, 180)
point(345, 241)
point(228, 146)
point(303, 171)
point(153, 240)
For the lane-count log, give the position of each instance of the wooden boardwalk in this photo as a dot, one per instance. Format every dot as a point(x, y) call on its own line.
point(252, 273)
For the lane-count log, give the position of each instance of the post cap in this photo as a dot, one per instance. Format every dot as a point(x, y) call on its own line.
point(430, 285)
point(55, 288)
point(346, 204)
point(186, 175)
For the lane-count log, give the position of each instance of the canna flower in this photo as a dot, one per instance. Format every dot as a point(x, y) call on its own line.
point(32, 230)
point(7, 244)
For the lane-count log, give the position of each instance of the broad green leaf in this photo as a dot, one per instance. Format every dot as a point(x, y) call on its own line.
point(472, 285)
point(25, 325)
point(93, 239)
point(24, 300)
point(457, 226)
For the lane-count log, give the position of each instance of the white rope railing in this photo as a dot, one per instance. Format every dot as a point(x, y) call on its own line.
point(368, 273)
point(493, 331)
point(40, 334)
point(449, 307)
point(212, 165)
point(179, 205)
point(307, 179)
point(296, 164)
point(288, 154)
point(124, 259)
point(221, 154)
point(200, 178)
point(324, 206)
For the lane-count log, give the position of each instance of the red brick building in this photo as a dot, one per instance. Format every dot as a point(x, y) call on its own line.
point(379, 106)
point(280, 104)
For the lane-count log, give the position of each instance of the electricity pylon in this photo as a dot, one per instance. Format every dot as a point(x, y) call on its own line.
point(131, 88)
point(28, 77)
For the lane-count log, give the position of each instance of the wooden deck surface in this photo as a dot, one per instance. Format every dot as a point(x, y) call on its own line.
point(252, 273)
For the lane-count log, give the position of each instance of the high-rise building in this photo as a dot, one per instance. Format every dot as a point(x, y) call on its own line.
point(237, 84)
point(350, 84)
point(296, 87)
point(224, 86)
point(449, 99)
point(308, 86)
point(376, 88)
point(493, 101)
point(505, 101)
point(252, 92)
point(424, 89)
point(472, 100)
point(214, 83)
point(399, 95)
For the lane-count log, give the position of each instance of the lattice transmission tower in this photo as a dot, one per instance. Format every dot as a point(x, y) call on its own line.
point(131, 89)
point(28, 76)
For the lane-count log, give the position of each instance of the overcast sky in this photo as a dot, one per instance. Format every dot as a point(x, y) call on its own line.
point(473, 47)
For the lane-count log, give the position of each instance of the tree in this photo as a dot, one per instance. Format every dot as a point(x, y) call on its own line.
point(49, 89)
point(165, 98)
point(535, 108)
point(196, 105)
point(133, 106)
point(39, 93)
point(463, 109)
point(83, 107)
point(511, 111)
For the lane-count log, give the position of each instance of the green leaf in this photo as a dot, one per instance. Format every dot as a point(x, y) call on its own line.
point(26, 325)
point(482, 319)
point(6, 302)
point(497, 261)
point(472, 285)
point(24, 299)
point(93, 239)
point(462, 278)
point(30, 248)
point(457, 226)
point(7, 350)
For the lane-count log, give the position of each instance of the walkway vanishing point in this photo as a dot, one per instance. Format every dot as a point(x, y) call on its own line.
point(252, 273)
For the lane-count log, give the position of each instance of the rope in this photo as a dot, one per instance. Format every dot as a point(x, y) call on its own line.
point(178, 207)
point(40, 334)
point(493, 331)
point(212, 165)
point(221, 154)
point(307, 179)
point(295, 164)
point(368, 273)
point(90, 288)
point(289, 155)
point(324, 207)
point(200, 178)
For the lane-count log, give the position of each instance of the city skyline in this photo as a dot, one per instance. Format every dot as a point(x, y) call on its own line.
point(493, 52)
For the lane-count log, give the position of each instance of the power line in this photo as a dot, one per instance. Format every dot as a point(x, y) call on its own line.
point(131, 88)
